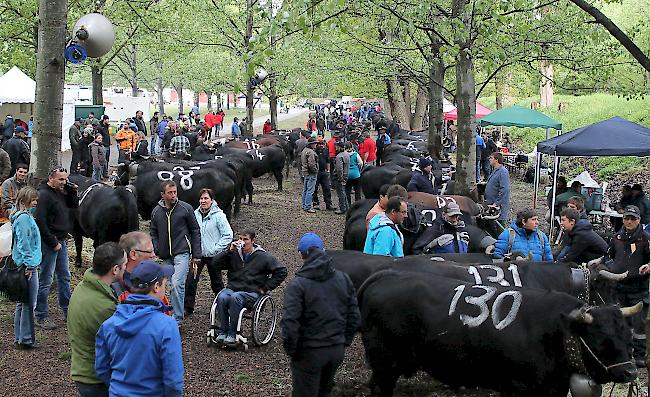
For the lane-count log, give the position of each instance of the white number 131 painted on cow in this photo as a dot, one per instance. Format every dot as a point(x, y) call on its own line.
point(499, 320)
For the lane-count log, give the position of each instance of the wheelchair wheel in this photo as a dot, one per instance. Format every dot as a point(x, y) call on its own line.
point(264, 321)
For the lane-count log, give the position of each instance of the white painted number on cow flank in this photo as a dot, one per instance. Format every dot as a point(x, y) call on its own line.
point(481, 302)
point(498, 277)
point(443, 200)
point(186, 181)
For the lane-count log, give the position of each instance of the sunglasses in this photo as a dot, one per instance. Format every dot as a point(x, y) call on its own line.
point(59, 169)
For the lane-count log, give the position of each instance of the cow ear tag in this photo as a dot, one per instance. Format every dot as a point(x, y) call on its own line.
point(633, 247)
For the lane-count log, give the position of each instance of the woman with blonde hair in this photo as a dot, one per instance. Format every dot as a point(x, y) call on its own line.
point(26, 251)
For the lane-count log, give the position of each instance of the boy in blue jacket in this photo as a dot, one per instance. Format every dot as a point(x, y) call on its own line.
point(524, 236)
point(384, 237)
point(138, 349)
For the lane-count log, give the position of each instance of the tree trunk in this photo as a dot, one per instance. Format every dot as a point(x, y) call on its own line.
point(466, 139)
point(97, 74)
point(273, 102)
point(179, 92)
point(250, 98)
point(546, 84)
point(400, 113)
point(406, 90)
point(196, 98)
point(161, 96)
point(50, 75)
point(134, 72)
point(209, 94)
point(421, 104)
point(436, 104)
point(499, 90)
point(250, 90)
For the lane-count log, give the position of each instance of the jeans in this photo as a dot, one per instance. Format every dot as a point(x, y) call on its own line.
point(352, 183)
point(308, 191)
point(216, 282)
point(323, 180)
point(24, 318)
point(343, 201)
point(230, 304)
point(313, 370)
point(53, 261)
point(92, 390)
point(98, 172)
point(487, 169)
point(152, 143)
point(478, 171)
point(181, 263)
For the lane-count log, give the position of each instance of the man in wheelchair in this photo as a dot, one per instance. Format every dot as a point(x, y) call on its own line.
point(251, 273)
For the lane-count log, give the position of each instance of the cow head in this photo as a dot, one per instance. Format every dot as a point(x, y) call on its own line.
point(604, 341)
point(121, 175)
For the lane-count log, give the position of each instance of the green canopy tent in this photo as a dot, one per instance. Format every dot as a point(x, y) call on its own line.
point(517, 116)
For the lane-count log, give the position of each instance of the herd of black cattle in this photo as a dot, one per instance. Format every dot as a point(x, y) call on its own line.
point(521, 328)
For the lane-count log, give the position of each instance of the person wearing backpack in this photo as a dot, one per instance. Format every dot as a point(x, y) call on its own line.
point(354, 175)
point(26, 251)
point(524, 236)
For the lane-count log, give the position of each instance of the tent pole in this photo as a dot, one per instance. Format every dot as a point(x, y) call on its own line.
point(548, 133)
point(556, 172)
point(536, 182)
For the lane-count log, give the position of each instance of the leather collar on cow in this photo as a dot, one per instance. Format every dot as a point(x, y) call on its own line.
point(580, 282)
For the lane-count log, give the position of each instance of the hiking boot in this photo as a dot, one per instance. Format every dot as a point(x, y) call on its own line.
point(316, 207)
point(339, 212)
point(311, 211)
point(46, 324)
point(230, 340)
point(220, 338)
point(27, 346)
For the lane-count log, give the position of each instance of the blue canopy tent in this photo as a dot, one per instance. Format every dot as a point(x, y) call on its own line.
point(611, 137)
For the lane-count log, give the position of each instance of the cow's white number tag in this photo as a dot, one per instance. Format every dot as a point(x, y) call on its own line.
point(256, 154)
point(498, 277)
point(410, 146)
point(251, 144)
point(499, 320)
point(443, 200)
point(186, 181)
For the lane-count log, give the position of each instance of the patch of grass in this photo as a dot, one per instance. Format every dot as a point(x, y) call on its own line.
point(243, 378)
point(608, 167)
point(65, 356)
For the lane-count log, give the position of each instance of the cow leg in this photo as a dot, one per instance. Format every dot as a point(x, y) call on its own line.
point(278, 177)
point(382, 383)
point(249, 190)
point(78, 246)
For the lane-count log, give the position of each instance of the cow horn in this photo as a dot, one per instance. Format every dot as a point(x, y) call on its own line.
point(632, 310)
point(594, 262)
point(607, 275)
point(581, 316)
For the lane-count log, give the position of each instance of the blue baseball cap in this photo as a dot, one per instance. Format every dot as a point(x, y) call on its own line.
point(310, 240)
point(19, 129)
point(146, 273)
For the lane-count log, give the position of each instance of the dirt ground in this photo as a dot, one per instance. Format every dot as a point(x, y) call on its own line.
point(214, 372)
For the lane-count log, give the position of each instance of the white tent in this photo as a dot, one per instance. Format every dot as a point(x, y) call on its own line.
point(586, 180)
point(17, 87)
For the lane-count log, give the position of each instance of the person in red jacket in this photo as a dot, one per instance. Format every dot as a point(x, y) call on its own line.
point(209, 123)
point(267, 127)
point(218, 122)
point(311, 123)
point(368, 149)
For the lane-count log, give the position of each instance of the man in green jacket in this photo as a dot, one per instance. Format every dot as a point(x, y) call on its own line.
point(92, 302)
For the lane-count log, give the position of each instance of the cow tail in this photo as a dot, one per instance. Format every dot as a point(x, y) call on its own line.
point(373, 277)
point(128, 197)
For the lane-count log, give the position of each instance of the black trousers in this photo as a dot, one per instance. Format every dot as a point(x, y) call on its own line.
point(636, 322)
point(313, 370)
point(76, 159)
point(352, 183)
point(323, 180)
point(92, 390)
point(192, 282)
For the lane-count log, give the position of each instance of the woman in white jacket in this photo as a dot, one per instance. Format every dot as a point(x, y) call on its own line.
point(216, 235)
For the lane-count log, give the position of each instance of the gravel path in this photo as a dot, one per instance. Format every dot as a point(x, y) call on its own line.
point(213, 372)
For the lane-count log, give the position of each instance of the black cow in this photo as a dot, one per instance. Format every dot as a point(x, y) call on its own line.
point(260, 161)
point(104, 213)
point(520, 342)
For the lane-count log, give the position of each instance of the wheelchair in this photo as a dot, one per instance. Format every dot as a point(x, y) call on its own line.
point(262, 316)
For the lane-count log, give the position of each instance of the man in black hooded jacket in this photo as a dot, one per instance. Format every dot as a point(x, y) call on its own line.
point(320, 319)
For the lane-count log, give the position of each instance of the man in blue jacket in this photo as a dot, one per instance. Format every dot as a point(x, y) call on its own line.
point(480, 147)
point(523, 236)
point(138, 349)
point(421, 181)
point(384, 237)
point(319, 320)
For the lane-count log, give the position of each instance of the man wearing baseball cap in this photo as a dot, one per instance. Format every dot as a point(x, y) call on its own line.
point(17, 148)
point(138, 349)
point(319, 320)
point(630, 252)
point(447, 235)
point(421, 181)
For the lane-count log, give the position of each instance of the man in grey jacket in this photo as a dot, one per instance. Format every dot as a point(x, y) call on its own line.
point(173, 222)
point(309, 168)
point(497, 189)
point(341, 172)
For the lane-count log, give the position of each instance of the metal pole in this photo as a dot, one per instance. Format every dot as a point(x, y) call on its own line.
point(538, 160)
point(556, 172)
